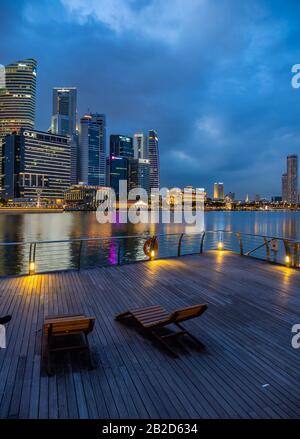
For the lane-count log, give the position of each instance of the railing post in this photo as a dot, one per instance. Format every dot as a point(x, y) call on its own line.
point(119, 253)
point(32, 251)
point(267, 248)
point(79, 255)
point(30, 255)
point(296, 255)
point(202, 243)
point(287, 250)
point(179, 244)
point(239, 236)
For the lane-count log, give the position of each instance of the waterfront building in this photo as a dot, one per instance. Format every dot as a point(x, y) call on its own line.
point(37, 165)
point(92, 150)
point(81, 197)
point(292, 179)
point(284, 188)
point(153, 155)
point(140, 146)
point(139, 173)
point(219, 191)
point(121, 146)
point(17, 101)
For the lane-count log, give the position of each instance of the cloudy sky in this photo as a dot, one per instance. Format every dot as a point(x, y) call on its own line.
point(213, 77)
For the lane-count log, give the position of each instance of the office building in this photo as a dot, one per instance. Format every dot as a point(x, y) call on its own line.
point(219, 191)
point(153, 156)
point(17, 101)
point(292, 179)
point(284, 188)
point(140, 146)
point(139, 173)
point(36, 165)
point(121, 146)
point(64, 111)
point(118, 168)
point(64, 122)
point(92, 150)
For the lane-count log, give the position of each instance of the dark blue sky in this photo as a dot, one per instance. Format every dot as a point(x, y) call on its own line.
point(213, 77)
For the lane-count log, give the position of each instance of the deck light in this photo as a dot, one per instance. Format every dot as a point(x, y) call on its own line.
point(220, 246)
point(287, 260)
point(152, 254)
point(31, 268)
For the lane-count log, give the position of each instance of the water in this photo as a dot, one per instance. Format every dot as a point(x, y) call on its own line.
point(69, 225)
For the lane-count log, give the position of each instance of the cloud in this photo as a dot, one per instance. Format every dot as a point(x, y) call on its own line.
point(165, 20)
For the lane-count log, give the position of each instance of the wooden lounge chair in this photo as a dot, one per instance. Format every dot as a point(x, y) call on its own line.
point(153, 318)
point(66, 333)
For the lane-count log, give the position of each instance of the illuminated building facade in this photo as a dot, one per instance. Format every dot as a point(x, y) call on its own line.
point(140, 146)
point(139, 173)
point(153, 155)
point(92, 150)
point(17, 101)
point(219, 191)
point(292, 179)
point(36, 165)
point(121, 146)
point(284, 188)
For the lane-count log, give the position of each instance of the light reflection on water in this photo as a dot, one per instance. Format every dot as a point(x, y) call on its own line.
point(68, 225)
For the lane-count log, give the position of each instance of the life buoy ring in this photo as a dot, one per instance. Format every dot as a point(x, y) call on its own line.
point(150, 245)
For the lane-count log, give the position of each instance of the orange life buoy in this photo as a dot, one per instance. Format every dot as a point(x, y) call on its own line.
point(150, 245)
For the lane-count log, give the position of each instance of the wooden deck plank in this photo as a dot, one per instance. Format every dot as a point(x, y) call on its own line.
point(247, 331)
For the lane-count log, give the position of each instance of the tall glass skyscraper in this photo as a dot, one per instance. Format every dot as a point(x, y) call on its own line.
point(64, 111)
point(292, 179)
point(64, 122)
point(140, 146)
point(92, 150)
point(284, 188)
point(153, 155)
point(17, 100)
point(219, 191)
point(121, 146)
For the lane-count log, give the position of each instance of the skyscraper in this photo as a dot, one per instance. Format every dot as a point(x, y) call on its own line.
point(64, 111)
point(292, 179)
point(37, 164)
point(64, 122)
point(92, 149)
point(140, 146)
point(121, 146)
point(153, 155)
point(219, 191)
point(284, 188)
point(17, 101)
point(139, 171)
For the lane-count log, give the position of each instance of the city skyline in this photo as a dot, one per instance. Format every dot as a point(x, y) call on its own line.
point(229, 113)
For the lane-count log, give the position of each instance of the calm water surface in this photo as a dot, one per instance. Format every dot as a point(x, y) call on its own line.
point(56, 226)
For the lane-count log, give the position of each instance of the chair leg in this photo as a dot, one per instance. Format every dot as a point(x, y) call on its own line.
point(199, 343)
point(91, 363)
point(166, 346)
point(49, 369)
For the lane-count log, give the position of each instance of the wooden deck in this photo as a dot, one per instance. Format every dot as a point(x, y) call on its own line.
point(249, 369)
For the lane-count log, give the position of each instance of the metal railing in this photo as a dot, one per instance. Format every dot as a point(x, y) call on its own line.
point(19, 258)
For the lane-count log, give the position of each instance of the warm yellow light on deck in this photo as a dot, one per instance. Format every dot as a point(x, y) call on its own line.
point(287, 260)
point(31, 268)
point(152, 254)
point(220, 246)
